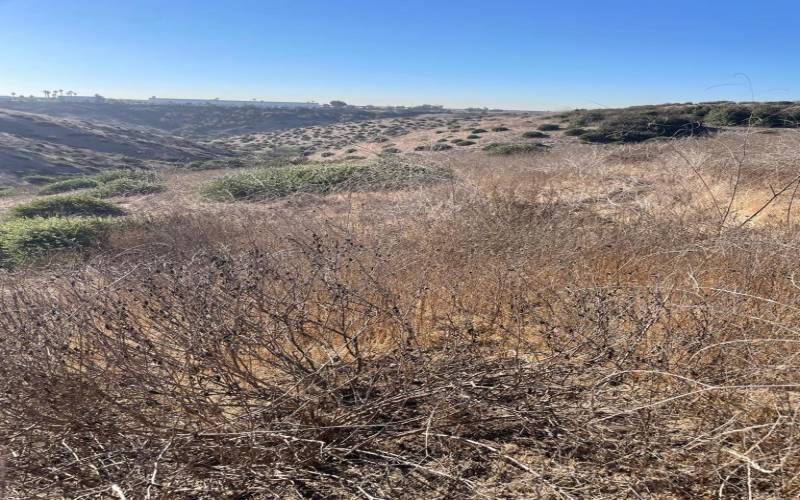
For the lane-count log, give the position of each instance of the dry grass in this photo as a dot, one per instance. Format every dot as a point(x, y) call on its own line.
point(597, 321)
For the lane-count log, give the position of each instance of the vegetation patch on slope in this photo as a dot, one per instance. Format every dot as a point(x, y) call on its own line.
point(269, 183)
point(22, 239)
point(513, 149)
point(123, 182)
point(67, 205)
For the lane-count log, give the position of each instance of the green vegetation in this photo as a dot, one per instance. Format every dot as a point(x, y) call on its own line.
point(127, 187)
point(215, 164)
point(512, 149)
point(500, 129)
point(7, 191)
point(534, 134)
point(271, 183)
point(66, 206)
point(547, 127)
point(479, 131)
point(473, 136)
point(68, 185)
point(434, 147)
point(462, 142)
point(575, 132)
point(638, 128)
point(124, 182)
point(21, 239)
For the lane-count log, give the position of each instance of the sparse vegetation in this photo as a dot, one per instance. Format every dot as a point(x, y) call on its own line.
point(548, 127)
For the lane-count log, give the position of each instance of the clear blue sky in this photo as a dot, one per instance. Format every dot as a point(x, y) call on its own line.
point(551, 54)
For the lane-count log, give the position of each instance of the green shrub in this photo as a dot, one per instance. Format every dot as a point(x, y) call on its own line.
point(464, 143)
point(132, 174)
point(127, 187)
point(473, 136)
point(326, 154)
point(479, 131)
point(7, 191)
point(21, 239)
point(729, 115)
point(500, 129)
point(66, 206)
point(351, 150)
point(533, 134)
point(574, 132)
point(68, 185)
point(638, 127)
point(266, 184)
point(433, 147)
point(512, 149)
point(546, 127)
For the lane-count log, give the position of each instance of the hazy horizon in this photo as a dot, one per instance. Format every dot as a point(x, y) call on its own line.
point(509, 55)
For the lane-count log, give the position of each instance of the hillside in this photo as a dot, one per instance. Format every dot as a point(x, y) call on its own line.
point(42, 144)
point(203, 122)
point(465, 305)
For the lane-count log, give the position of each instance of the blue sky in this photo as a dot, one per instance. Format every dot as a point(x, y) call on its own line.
point(550, 54)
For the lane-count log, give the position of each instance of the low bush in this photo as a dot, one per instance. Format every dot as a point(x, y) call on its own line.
point(127, 187)
point(22, 239)
point(68, 185)
point(473, 136)
point(267, 184)
point(534, 134)
point(511, 149)
point(479, 131)
point(575, 132)
point(7, 191)
point(729, 115)
point(636, 127)
point(464, 143)
point(500, 129)
point(65, 206)
point(546, 127)
point(215, 164)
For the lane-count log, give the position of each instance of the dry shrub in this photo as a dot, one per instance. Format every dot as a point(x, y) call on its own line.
point(493, 337)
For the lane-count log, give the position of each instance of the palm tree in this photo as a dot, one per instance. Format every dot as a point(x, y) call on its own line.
point(13, 94)
point(46, 93)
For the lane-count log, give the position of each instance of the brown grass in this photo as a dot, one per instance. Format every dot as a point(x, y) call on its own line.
point(592, 322)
